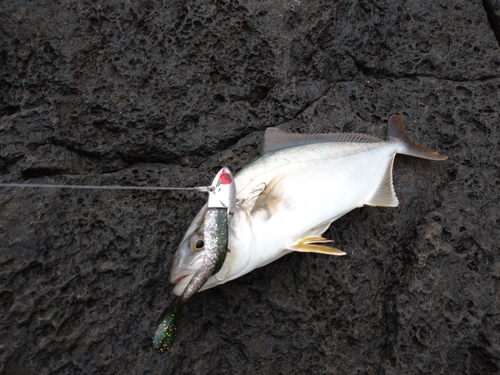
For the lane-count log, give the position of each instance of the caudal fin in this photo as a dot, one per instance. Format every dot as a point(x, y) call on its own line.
point(396, 131)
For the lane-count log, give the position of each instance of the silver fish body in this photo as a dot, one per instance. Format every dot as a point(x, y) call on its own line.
point(288, 197)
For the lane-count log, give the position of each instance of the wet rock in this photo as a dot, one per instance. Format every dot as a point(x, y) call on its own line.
point(165, 94)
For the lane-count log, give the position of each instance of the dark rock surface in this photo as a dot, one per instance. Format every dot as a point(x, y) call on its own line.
point(165, 93)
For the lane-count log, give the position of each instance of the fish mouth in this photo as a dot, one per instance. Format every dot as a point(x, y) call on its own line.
point(182, 282)
point(177, 279)
point(182, 275)
point(180, 269)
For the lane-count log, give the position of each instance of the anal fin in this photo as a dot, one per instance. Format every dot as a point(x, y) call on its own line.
point(385, 195)
point(311, 245)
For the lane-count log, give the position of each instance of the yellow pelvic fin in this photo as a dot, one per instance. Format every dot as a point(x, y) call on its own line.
point(309, 245)
point(268, 201)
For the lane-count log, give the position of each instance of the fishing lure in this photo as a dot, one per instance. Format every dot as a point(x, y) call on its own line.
point(220, 207)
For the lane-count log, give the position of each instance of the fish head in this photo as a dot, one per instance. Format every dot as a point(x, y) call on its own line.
point(189, 256)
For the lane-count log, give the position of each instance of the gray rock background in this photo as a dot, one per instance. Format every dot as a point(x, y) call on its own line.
point(165, 93)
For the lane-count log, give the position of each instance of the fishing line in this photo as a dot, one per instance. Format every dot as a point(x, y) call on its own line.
point(105, 187)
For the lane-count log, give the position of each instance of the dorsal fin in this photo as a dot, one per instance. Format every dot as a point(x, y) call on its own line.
point(276, 139)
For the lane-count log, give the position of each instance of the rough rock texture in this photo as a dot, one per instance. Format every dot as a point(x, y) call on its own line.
point(165, 93)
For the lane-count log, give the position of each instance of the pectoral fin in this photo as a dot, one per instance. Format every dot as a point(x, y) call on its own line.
point(310, 245)
point(268, 201)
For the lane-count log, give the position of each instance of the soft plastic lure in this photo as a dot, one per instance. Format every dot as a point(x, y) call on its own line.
point(213, 240)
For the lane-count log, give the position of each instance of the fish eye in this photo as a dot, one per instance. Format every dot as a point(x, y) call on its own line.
point(197, 243)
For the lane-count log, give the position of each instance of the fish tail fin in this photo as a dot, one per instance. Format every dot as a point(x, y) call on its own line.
point(396, 132)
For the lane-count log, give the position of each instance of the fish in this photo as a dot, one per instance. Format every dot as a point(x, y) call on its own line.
point(288, 197)
point(213, 246)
